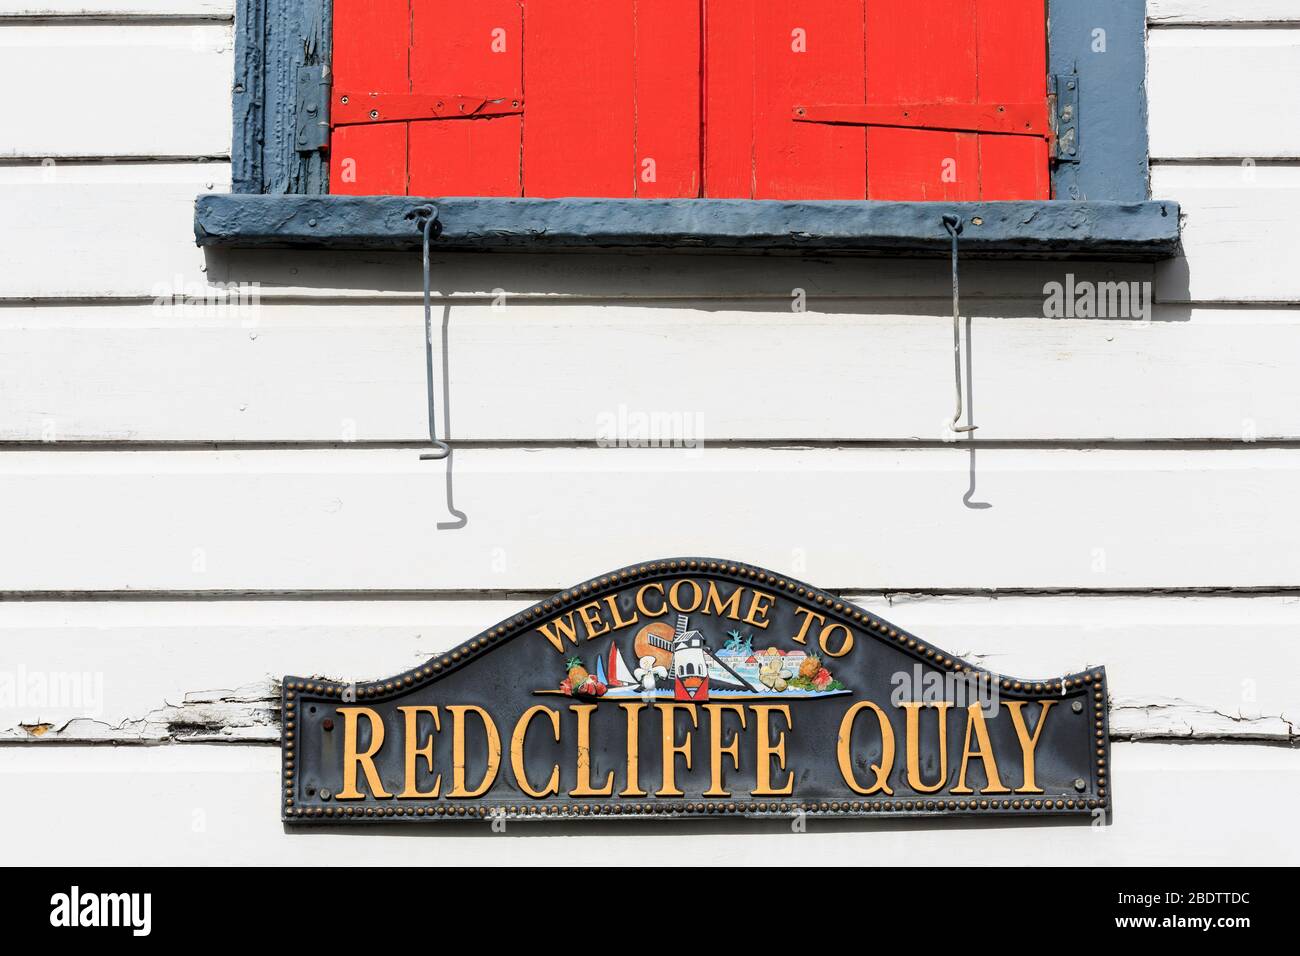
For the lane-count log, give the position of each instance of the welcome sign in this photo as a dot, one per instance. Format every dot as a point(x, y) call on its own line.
point(692, 688)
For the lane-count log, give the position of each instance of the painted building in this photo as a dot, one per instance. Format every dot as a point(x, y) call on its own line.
point(210, 455)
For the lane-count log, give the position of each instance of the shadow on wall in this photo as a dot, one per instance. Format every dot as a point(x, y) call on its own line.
point(824, 285)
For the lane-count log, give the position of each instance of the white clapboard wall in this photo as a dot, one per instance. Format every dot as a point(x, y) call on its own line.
point(202, 494)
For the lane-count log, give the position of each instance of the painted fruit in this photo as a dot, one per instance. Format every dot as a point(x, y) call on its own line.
point(578, 675)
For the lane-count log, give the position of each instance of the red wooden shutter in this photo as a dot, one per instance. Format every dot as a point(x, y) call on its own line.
point(760, 59)
point(613, 98)
point(779, 99)
point(855, 64)
point(371, 44)
point(431, 52)
point(977, 52)
point(476, 50)
point(613, 104)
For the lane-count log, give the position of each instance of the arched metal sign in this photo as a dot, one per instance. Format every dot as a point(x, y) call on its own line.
point(694, 687)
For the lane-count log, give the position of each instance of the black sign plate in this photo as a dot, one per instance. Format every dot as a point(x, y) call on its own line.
point(691, 688)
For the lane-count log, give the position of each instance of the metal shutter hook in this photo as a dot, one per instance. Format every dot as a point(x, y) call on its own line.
point(427, 218)
point(953, 224)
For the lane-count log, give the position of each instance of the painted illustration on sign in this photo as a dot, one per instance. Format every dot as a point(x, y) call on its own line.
point(680, 663)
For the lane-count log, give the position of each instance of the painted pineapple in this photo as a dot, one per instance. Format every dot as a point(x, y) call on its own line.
point(578, 675)
point(580, 680)
point(810, 666)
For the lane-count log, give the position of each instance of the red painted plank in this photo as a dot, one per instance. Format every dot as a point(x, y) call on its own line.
point(1013, 167)
point(956, 51)
point(667, 77)
point(579, 84)
point(761, 60)
point(371, 38)
point(918, 53)
point(368, 160)
point(476, 50)
point(729, 99)
point(808, 52)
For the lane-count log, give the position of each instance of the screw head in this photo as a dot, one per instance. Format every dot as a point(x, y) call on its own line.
point(1079, 783)
point(327, 723)
point(1077, 707)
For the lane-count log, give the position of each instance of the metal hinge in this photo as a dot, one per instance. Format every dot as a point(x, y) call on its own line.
point(1063, 111)
point(1008, 119)
point(312, 109)
point(351, 108)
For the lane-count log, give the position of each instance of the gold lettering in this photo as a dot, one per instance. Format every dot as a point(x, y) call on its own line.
point(584, 788)
point(675, 599)
point(351, 759)
point(975, 723)
point(671, 748)
point(564, 627)
point(809, 616)
point(845, 646)
point(619, 623)
point(843, 750)
point(517, 740)
point(411, 714)
point(458, 715)
point(913, 709)
point(713, 603)
point(717, 748)
point(590, 614)
point(1027, 743)
point(640, 600)
point(633, 788)
point(767, 750)
point(759, 605)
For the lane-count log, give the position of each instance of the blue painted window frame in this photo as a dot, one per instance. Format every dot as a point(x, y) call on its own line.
point(280, 196)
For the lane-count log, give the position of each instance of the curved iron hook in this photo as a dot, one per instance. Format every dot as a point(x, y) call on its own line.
point(953, 224)
point(427, 218)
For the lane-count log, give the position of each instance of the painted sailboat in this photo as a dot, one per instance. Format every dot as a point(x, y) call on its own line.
point(612, 669)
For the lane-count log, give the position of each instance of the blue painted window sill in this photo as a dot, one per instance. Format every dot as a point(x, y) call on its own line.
point(1115, 230)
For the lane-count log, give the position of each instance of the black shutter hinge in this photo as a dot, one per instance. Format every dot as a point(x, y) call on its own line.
point(1063, 111)
point(312, 109)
